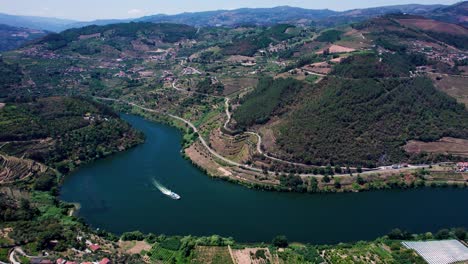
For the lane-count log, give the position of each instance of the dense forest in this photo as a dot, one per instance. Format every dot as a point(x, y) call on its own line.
point(331, 35)
point(63, 132)
point(10, 75)
point(249, 45)
point(383, 66)
point(269, 96)
point(366, 121)
point(208, 86)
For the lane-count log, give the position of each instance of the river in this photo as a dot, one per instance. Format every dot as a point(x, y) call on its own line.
point(117, 194)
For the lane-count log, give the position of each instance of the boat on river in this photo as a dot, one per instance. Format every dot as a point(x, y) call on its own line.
point(165, 190)
point(174, 195)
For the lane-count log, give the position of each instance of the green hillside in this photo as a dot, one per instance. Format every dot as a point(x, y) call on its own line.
point(366, 121)
point(269, 96)
point(63, 132)
point(124, 32)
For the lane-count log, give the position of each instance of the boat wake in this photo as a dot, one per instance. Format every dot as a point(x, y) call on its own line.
point(165, 190)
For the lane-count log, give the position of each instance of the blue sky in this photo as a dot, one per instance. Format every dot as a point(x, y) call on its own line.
point(103, 9)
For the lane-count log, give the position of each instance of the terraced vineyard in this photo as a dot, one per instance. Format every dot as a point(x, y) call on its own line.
point(13, 168)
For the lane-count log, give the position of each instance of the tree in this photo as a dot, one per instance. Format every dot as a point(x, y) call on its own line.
point(360, 180)
point(359, 169)
point(280, 241)
point(398, 234)
point(442, 234)
point(337, 169)
point(337, 184)
point(313, 184)
point(326, 179)
point(460, 233)
point(135, 235)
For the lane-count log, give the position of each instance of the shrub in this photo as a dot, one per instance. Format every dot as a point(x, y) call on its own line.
point(280, 241)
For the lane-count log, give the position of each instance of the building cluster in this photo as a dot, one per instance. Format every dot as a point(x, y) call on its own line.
point(438, 53)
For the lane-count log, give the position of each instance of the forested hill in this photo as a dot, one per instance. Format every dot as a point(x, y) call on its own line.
point(63, 132)
point(14, 37)
point(362, 114)
point(367, 121)
point(119, 35)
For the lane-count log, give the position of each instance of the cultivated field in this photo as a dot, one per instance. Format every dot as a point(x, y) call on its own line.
point(454, 86)
point(212, 255)
point(12, 168)
point(436, 26)
point(232, 85)
point(446, 145)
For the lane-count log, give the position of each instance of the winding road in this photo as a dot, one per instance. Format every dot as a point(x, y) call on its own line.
point(243, 166)
point(190, 124)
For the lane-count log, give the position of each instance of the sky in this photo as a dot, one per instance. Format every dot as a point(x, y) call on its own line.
point(85, 10)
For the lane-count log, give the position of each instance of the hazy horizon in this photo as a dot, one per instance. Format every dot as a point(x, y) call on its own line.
point(87, 10)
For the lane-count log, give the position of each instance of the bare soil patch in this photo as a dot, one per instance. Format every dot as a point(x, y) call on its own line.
point(232, 85)
point(336, 49)
point(436, 26)
point(2, 105)
point(240, 58)
point(200, 157)
point(252, 256)
point(446, 145)
point(457, 87)
point(318, 67)
point(224, 171)
point(134, 247)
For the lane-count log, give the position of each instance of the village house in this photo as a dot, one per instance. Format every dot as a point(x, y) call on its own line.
point(462, 166)
point(94, 247)
point(105, 261)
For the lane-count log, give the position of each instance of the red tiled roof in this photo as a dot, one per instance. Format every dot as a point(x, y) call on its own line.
point(94, 247)
point(105, 261)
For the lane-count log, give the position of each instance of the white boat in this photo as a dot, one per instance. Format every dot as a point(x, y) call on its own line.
point(165, 190)
point(174, 195)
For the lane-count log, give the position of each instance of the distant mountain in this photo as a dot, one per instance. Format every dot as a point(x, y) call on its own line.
point(100, 22)
point(14, 37)
point(42, 23)
point(284, 14)
point(457, 13)
point(362, 14)
point(254, 16)
point(377, 11)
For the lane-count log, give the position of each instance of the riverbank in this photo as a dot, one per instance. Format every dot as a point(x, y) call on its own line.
point(109, 189)
point(216, 206)
point(215, 249)
point(325, 180)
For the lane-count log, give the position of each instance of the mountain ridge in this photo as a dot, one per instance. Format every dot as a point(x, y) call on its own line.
point(236, 17)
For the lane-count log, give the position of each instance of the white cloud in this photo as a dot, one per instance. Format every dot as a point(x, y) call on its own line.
point(135, 11)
